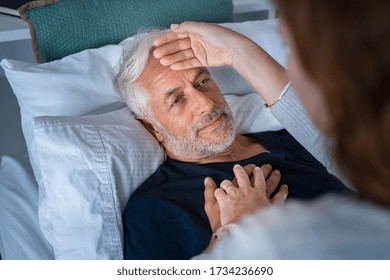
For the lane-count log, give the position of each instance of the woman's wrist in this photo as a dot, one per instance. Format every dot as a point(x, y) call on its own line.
point(285, 89)
point(224, 231)
point(244, 48)
point(221, 233)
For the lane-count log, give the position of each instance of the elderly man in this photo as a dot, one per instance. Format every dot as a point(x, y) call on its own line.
point(187, 114)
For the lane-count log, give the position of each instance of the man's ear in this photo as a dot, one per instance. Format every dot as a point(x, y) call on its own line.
point(152, 129)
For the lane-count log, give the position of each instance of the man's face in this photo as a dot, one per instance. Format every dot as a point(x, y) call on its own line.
point(194, 120)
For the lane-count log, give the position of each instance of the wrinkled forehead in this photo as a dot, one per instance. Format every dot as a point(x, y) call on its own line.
point(153, 70)
point(157, 78)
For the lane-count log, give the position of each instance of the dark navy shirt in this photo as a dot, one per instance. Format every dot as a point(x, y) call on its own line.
point(165, 217)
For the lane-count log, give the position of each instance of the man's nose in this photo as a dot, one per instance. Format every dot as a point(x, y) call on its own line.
point(201, 102)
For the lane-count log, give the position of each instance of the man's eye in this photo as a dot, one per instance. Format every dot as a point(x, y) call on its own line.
point(203, 82)
point(177, 100)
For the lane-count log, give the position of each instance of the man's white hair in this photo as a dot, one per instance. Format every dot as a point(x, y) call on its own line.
point(135, 58)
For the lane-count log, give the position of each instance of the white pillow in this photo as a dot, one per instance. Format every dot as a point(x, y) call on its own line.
point(90, 166)
point(68, 165)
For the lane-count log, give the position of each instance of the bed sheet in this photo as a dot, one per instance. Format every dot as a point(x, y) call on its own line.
point(20, 235)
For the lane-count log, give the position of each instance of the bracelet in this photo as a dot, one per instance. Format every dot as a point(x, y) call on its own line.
point(287, 86)
point(224, 231)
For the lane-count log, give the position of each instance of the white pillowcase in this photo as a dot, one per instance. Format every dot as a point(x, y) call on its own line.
point(90, 166)
point(87, 167)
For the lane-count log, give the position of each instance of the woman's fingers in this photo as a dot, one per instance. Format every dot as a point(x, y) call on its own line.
point(192, 27)
point(242, 177)
point(169, 37)
point(172, 47)
point(258, 178)
point(180, 55)
point(178, 38)
point(186, 64)
point(269, 181)
point(248, 169)
point(210, 44)
point(177, 57)
point(245, 195)
point(225, 184)
point(229, 188)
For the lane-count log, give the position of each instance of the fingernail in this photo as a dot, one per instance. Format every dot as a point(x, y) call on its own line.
point(163, 62)
point(174, 26)
point(236, 166)
point(284, 196)
point(277, 172)
point(226, 182)
point(206, 179)
point(155, 54)
point(257, 168)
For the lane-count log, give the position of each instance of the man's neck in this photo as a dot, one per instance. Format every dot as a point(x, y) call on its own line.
point(243, 147)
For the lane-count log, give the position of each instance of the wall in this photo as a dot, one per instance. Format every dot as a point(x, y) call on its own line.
point(11, 138)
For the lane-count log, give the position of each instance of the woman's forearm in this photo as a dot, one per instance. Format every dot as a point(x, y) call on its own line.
point(265, 74)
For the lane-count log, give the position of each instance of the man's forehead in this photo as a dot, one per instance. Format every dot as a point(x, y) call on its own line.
point(154, 72)
point(154, 65)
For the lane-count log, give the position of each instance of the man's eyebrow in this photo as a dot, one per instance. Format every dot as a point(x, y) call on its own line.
point(200, 72)
point(170, 92)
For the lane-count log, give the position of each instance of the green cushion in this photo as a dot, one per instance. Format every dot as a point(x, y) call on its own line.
point(63, 27)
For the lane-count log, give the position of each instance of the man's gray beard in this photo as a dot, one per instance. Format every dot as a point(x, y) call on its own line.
point(195, 146)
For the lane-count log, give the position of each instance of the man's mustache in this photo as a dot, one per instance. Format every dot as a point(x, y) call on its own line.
point(216, 113)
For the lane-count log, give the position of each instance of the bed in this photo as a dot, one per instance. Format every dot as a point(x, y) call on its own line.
point(86, 153)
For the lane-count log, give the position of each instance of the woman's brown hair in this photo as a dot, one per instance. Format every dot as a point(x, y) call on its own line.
point(345, 46)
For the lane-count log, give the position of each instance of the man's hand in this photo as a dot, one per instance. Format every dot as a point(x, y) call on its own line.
point(211, 206)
